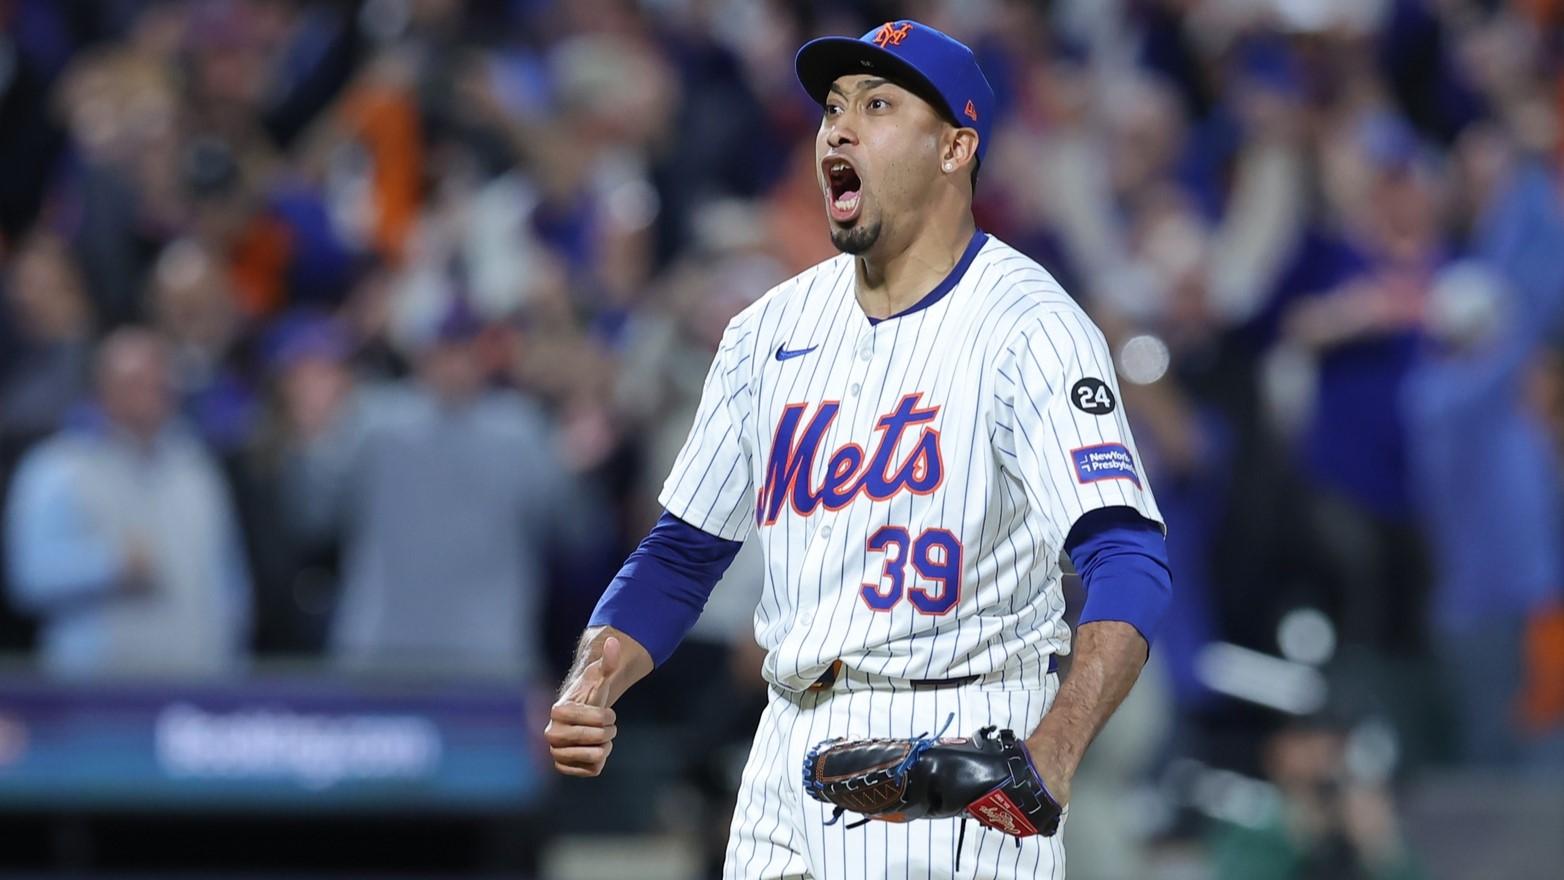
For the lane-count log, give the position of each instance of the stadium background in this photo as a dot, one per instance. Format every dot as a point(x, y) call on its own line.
point(432, 278)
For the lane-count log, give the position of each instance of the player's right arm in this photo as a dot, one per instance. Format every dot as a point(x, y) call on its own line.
point(662, 588)
point(653, 601)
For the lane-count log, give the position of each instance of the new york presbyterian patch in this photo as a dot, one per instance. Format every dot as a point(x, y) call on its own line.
point(1106, 461)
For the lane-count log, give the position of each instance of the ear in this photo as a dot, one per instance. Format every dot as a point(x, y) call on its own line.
point(959, 151)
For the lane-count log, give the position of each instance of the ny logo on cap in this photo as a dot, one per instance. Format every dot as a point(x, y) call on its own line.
point(890, 35)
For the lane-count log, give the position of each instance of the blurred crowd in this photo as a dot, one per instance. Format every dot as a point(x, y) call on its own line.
point(368, 330)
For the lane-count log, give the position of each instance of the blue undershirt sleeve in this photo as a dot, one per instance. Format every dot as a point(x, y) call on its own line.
point(1122, 559)
point(662, 588)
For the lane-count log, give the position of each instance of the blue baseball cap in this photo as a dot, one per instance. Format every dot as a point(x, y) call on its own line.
point(926, 61)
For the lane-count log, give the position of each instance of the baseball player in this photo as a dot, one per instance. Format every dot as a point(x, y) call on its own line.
point(913, 430)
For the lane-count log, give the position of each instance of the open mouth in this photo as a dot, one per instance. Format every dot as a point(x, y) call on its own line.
point(844, 189)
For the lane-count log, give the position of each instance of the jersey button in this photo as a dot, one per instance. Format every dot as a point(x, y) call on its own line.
point(825, 531)
point(866, 354)
point(854, 389)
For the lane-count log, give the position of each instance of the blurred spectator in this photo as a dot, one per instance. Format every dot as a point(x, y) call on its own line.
point(1488, 480)
point(372, 174)
point(450, 499)
point(46, 349)
point(46, 365)
point(192, 306)
point(121, 536)
point(1542, 706)
point(120, 107)
point(1355, 298)
point(1325, 823)
point(35, 39)
point(1545, 395)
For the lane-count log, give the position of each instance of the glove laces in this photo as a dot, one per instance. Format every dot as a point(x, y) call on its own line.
point(923, 743)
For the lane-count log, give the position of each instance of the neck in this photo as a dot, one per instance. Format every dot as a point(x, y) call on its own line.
point(892, 281)
point(141, 438)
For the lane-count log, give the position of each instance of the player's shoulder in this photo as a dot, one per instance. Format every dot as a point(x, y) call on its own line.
point(1003, 273)
point(806, 289)
point(1008, 282)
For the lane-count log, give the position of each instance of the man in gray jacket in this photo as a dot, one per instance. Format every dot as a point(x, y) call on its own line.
point(448, 496)
point(122, 538)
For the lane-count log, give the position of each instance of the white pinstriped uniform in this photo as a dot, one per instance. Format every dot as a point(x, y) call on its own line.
point(911, 482)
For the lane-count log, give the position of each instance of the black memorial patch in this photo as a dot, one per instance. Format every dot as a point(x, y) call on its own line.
point(1091, 395)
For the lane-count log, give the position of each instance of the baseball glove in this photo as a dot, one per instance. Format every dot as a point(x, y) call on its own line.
point(988, 777)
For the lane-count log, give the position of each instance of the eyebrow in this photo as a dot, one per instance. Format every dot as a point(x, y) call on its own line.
point(869, 83)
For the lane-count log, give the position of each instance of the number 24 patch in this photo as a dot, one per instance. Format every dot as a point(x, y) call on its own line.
point(1092, 395)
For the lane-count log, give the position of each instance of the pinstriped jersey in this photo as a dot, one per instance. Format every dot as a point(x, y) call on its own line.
point(910, 480)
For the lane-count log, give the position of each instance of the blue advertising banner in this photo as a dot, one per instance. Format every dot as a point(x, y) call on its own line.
point(267, 744)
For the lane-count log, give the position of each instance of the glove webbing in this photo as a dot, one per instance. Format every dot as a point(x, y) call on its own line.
point(923, 743)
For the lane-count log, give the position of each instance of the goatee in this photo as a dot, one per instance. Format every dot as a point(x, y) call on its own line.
point(855, 240)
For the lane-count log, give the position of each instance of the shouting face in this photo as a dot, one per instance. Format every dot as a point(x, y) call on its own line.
point(879, 153)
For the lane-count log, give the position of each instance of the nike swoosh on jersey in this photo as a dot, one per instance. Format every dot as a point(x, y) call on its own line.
point(784, 353)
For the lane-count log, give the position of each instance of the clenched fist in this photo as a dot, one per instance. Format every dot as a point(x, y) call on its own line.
point(581, 727)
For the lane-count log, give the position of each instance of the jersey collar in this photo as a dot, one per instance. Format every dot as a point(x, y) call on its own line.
point(979, 238)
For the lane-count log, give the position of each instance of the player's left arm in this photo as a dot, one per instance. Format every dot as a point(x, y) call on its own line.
point(1063, 434)
point(1109, 657)
point(1122, 560)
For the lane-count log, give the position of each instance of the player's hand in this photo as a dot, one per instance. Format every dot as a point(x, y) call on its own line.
point(581, 727)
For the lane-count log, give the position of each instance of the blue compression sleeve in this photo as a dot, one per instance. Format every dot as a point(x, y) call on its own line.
point(1122, 559)
point(663, 586)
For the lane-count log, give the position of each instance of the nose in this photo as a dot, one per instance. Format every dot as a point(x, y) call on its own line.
point(839, 132)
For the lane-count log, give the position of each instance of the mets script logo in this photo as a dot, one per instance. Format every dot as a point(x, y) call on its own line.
point(849, 470)
point(891, 35)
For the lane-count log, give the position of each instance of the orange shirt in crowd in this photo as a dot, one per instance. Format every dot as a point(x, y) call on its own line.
point(385, 121)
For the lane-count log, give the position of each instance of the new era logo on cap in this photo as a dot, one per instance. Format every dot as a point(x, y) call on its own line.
point(970, 111)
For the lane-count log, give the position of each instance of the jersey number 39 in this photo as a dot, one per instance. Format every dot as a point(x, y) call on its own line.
point(936, 555)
